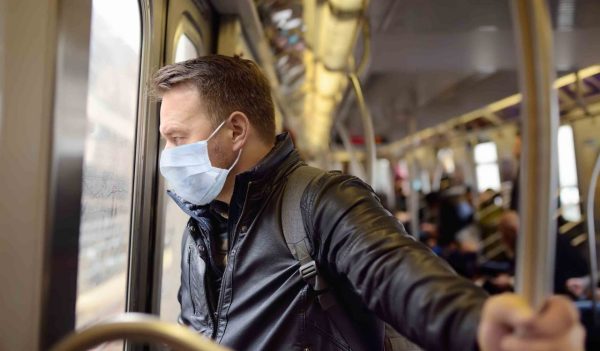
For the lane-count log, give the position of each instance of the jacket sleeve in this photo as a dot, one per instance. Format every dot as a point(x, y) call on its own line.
point(365, 249)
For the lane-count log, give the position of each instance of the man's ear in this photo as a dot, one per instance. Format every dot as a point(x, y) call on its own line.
point(240, 127)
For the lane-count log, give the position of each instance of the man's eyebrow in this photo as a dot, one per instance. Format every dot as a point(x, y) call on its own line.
point(170, 129)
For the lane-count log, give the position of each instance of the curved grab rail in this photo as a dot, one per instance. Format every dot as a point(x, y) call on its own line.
point(137, 327)
point(592, 236)
point(367, 122)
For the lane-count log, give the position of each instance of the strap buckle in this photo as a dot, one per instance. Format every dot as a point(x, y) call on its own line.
point(308, 270)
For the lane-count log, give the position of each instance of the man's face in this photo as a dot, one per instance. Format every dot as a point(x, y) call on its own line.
point(184, 120)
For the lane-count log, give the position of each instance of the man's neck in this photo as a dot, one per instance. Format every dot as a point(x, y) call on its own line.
point(251, 156)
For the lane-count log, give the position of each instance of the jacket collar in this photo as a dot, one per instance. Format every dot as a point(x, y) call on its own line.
point(197, 212)
point(277, 163)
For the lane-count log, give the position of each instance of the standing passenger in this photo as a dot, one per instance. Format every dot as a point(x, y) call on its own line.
point(240, 282)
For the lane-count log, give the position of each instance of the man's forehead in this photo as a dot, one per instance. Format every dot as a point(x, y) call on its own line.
point(182, 93)
point(181, 103)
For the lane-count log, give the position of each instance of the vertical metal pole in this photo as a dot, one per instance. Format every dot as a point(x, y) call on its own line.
point(367, 122)
point(591, 225)
point(413, 198)
point(539, 116)
point(414, 174)
point(356, 168)
point(472, 170)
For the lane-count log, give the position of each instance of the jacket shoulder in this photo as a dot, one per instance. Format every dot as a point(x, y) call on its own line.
point(335, 191)
point(335, 188)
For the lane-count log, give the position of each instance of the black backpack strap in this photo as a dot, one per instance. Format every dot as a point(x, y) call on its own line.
point(294, 231)
point(296, 238)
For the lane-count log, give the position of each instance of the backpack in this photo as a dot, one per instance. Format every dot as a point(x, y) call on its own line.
point(299, 245)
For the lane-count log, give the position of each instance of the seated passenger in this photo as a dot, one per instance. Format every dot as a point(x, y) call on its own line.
point(229, 172)
point(569, 263)
point(580, 287)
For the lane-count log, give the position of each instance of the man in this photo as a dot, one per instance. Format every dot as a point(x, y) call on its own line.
point(240, 283)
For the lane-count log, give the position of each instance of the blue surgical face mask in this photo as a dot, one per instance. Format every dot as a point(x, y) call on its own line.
point(190, 174)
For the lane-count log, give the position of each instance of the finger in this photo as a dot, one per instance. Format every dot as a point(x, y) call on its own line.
point(515, 343)
point(557, 315)
point(572, 340)
point(508, 309)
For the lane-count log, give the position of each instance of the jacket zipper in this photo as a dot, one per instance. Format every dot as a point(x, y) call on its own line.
point(189, 262)
point(205, 256)
point(229, 262)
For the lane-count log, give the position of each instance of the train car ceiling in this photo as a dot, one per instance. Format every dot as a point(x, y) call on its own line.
point(313, 42)
point(429, 60)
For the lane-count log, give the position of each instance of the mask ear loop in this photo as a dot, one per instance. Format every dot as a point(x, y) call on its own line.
point(215, 131)
point(236, 160)
point(239, 153)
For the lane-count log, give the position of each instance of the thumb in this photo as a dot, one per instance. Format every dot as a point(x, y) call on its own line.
point(557, 315)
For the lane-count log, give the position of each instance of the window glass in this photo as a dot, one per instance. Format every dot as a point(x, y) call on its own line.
point(185, 49)
point(567, 174)
point(486, 152)
point(567, 170)
point(446, 158)
point(108, 160)
point(173, 221)
point(487, 170)
point(488, 177)
point(425, 182)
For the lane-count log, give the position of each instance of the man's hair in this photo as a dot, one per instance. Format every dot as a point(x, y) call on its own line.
point(226, 84)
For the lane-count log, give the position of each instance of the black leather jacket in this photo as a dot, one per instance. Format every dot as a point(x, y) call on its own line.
point(376, 270)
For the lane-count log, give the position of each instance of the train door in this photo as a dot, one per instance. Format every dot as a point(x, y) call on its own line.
point(189, 35)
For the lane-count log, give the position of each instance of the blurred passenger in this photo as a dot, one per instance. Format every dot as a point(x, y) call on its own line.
point(489, 198)
point(428, 216)
point(430, 213)
point(569, 263)
point(580, 287)
point(456, 216)
point(508, 229)
point(500, 274)
point(455, 213)
point(400, 197)
point(470, 196)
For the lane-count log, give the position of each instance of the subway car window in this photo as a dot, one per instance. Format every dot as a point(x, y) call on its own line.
point(185, 49)
point(567, 175)
point(108, 161)
point(446, 158)
point(488, 174)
